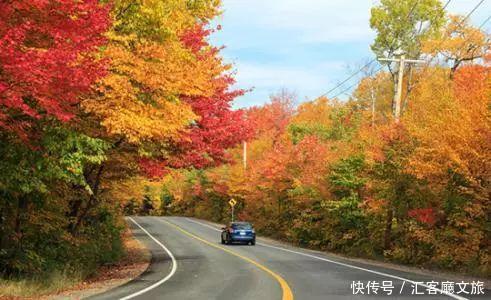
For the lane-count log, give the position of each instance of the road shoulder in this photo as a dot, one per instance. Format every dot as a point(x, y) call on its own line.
point(135, 263)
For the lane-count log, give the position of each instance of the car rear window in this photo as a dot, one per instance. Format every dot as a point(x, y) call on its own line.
point(242, 226)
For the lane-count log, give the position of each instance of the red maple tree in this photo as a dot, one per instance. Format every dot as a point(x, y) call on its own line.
point(47, 58)
point(218, 127)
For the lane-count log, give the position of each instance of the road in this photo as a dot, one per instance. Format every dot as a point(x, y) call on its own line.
point(188, 262)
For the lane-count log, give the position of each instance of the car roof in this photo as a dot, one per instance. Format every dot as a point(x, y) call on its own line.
point(241, 223)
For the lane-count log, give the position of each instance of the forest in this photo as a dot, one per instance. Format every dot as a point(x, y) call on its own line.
point(94, 94)
point(113, 108)
point(346, 176)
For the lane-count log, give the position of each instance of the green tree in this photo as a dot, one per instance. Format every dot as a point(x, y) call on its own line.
point(402, 25)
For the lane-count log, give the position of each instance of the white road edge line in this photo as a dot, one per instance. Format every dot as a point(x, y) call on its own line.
point(173, 270)
point(345, 265)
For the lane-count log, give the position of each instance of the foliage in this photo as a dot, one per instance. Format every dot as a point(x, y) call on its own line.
point(342, 175)
point(34, 203)
point(458, 42)
point(126, 107)
point(402, 25)
point(47, 59)
point(326, 176)
point(98, 101)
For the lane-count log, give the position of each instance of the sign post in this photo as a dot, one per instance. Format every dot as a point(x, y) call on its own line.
point(232, 203)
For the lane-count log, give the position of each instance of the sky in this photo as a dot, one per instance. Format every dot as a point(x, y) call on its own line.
point(305, 46)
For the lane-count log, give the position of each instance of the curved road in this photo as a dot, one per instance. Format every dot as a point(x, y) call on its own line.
point(188, 262)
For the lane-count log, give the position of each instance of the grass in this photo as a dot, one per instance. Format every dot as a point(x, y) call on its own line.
point(134, 261)
point(35, 287)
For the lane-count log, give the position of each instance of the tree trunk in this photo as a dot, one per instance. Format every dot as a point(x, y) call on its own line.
point(21, 211)
point(454, 68)
point(92, 200)
point(388, 228)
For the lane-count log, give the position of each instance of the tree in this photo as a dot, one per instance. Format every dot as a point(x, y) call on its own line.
point(326, 119)
point(218, 127)
point(271, 120)
point(450, 118)
point(402, 25)
point(175, 106)
point(458, 42)
point(374, 94)
point(151, 72)
point(452, 156)
point(48, 58)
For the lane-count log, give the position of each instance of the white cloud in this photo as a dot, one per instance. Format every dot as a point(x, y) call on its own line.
point(261, 76)
point(273, 77)
point(308, 20)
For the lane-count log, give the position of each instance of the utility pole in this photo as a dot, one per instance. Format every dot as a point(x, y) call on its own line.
point(232, 204)
point(372, 95)
point(398, 93)
point(244, 155)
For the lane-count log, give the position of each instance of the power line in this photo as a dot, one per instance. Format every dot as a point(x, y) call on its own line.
point(474, 9)
point(347, 89)
point(349, 77)
point(485, 21)
point(374, 59)
point(441, 42)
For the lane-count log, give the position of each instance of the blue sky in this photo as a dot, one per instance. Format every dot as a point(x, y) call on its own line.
point(306, 46)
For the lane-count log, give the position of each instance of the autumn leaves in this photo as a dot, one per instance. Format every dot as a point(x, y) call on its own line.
point(104, 105)
point(343, 176)
point(47, 59)
point(94, 94)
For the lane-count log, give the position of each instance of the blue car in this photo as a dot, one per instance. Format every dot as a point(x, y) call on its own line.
point(242, 232)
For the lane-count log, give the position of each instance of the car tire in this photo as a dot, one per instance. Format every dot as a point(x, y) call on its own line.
point(253, 242)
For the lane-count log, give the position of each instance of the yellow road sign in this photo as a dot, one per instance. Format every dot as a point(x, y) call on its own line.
point(232, 202)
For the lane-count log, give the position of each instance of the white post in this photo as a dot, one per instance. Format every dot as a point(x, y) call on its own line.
point(244, 155)
point(398, 94)
point(373, 107)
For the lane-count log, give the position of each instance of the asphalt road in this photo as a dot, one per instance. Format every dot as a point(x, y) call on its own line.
point(188, 262)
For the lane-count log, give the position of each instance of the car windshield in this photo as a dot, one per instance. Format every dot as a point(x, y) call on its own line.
point(241, 226)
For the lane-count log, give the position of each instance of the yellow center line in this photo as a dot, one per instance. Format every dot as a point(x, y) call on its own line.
point(287, 292)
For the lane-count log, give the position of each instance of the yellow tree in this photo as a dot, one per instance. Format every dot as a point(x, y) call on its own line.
point(374, 94)
point(151, 70)
point(451, 122)
point(458, 42)
point(140, 106)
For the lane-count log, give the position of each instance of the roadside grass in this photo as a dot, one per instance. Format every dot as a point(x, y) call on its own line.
point(36, 287)
point(76, 285)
